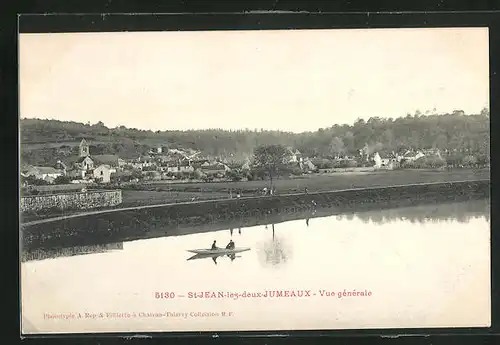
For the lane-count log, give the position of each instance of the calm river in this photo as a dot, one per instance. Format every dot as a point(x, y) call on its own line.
point(423, 266)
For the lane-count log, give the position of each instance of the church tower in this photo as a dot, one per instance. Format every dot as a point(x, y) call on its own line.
point(84, 148)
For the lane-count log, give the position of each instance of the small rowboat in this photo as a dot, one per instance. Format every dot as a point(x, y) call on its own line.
point(218, 251)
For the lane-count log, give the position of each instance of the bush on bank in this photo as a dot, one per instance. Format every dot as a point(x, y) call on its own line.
point(425, 163)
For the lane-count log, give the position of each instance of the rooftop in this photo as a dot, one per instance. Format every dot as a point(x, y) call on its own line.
point(106, 159)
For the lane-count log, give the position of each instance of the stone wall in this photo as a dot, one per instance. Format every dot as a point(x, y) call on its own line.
point(71, 201)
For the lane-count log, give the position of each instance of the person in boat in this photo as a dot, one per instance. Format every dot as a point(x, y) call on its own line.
point(230, 245)
point(214, 246)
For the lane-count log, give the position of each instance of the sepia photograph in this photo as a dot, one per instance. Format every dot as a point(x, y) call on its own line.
point(254, 180)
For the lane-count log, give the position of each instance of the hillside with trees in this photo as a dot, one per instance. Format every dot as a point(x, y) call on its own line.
point(43, 142)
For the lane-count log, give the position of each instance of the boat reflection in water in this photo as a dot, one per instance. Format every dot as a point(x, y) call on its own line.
point(214, 257)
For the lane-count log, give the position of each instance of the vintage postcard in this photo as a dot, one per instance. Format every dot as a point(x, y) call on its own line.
point(257, 180)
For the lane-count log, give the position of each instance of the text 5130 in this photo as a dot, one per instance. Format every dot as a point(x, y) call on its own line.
point(165, 295)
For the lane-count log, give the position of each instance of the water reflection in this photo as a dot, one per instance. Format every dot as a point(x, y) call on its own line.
point(461, 212)
point(275, 251)
point(274, 248)
point(231, 230)
point(42, 254)
point(214, 257)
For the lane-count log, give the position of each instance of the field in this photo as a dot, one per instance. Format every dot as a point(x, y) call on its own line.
point(165, 193)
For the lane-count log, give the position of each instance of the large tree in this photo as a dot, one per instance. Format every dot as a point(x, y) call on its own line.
point(270, 158)
point(336, 146)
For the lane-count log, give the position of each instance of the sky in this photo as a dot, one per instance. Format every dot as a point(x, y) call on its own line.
point(291, 80)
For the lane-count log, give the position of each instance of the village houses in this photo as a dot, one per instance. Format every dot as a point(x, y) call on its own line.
point(217, 169)
point(103, 173)
point(164, 163)
point(292, 156)
point(393, 160)
point(159, 163)
point(88, 166)
point(82, 167)
point(307, 165)
point(48, 174)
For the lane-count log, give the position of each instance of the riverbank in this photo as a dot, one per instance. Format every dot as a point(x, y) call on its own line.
point(141, 221)
point(164, 193)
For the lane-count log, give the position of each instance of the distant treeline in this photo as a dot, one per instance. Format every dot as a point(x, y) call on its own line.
point(452, 132)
